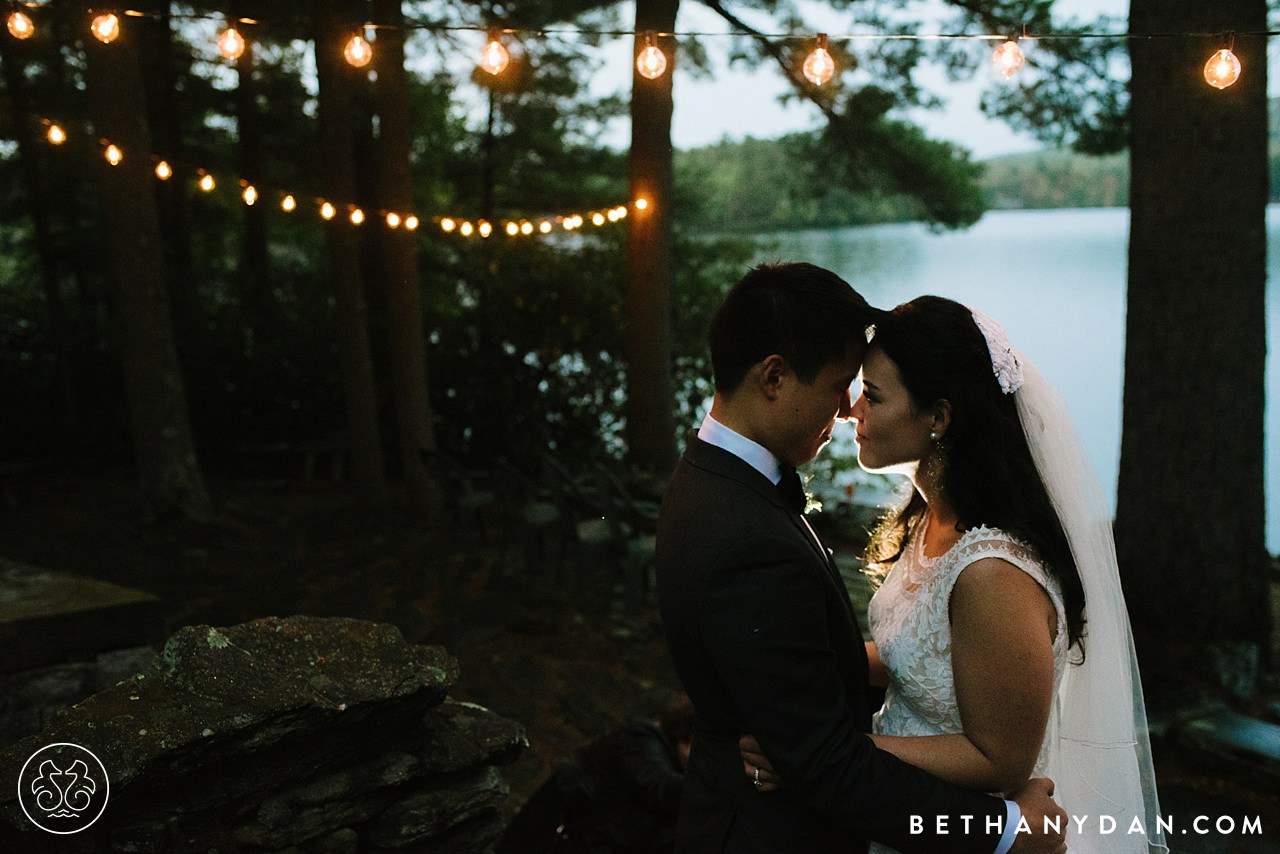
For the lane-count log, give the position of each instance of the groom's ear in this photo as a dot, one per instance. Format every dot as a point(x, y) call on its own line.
point(941, 417)
point(769, 375)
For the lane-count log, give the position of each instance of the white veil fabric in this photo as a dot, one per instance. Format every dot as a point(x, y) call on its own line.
point(1099, 750)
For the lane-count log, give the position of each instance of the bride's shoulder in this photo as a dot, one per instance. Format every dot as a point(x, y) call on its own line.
point(983, 541)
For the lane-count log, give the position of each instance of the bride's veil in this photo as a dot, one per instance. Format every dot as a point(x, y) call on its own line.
point(1100, 753)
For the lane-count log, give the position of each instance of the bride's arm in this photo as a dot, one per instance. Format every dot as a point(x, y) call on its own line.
point(877, 676)
point(1002, 625)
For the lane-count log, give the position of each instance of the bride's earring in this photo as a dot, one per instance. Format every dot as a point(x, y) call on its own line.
point(933, 435)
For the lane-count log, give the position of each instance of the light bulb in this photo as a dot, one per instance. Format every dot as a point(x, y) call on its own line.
point(20, 26)
point(513, 229)
point(393, 220)
point(447, 225)
point(466, 229)
point(526, 228)
point(288, 204)
point(250, 195)
point(411, 222)
point(1008, 59)
point(597, 219)
point(164, 171)
point(114, 155)
point(642, 204)
point(57, 135)
point(819, 67)
point(485, 229)
point(545, 227)
point(327, 211)
point(231, 43)
point(358, 51)
point(207, 183)
point(494, 58)
point(357, 217)
point(105, 28)
point(1222, 69)
point(651, 62)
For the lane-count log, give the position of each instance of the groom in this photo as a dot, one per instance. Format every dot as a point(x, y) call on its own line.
point(758, 621)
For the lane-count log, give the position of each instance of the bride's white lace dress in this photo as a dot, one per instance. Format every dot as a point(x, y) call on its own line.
point(910, 623)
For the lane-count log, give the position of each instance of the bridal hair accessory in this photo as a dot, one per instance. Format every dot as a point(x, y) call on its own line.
point(1004, 361)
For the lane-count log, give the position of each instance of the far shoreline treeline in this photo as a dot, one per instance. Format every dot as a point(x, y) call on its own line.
point(753, 185)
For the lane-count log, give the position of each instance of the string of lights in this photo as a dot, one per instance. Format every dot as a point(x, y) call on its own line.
point(1222, 69)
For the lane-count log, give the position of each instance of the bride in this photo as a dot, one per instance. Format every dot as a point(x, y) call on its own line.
point(995, 670)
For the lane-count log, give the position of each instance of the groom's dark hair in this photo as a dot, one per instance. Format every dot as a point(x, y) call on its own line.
point(808, 315)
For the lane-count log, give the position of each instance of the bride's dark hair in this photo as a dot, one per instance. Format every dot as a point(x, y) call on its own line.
point(988, 474)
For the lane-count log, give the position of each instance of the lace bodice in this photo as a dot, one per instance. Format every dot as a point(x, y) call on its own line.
point(911, 625)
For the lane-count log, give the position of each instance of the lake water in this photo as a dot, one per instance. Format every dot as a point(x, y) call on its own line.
point(1056, 281)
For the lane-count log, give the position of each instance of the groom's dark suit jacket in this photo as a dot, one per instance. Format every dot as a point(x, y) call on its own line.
point(761, 631)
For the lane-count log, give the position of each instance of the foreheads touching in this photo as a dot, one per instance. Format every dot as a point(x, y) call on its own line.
point(807, 315)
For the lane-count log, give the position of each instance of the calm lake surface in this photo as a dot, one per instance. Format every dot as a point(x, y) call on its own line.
point(1056, 281)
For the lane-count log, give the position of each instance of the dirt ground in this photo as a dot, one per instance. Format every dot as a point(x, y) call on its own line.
point(552, 646)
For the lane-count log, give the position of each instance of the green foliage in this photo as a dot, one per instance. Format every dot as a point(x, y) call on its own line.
point(1057, 179)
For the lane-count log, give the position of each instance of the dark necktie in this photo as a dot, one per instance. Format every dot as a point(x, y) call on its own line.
point(792, 490)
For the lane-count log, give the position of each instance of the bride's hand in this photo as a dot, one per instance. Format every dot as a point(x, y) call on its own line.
point(757, 766)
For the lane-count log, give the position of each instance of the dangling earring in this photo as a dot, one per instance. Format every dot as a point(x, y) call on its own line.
point(933, 435)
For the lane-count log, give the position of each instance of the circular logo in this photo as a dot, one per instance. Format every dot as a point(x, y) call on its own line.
point(63, 788)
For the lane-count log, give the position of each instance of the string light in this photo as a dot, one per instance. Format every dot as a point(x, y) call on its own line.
point(357, 217)
point(114, 155)
point(652, 61)
point(163, 170)
point(642, 204)
point(466, 229)
point(20, 26)
point(447, 225)
point(485, 229)
point(231, 43)
point(819, 67)
point(494, 58)
point(526, 228)
point(1222, 69)
point(105, 28)
point(1007, 59)
point(545, 227)
point(288, 204)
point(328, 211)
point(56, 134)
point(513, 229)
point(393, 220)
point(411, 222)
point(206, 182)
point(250, 195)
point(358, 52)
point(597, 219)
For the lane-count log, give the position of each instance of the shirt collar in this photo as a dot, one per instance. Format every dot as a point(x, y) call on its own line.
point(752, 453)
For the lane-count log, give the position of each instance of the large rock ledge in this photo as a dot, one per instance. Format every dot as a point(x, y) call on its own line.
point(310, 734)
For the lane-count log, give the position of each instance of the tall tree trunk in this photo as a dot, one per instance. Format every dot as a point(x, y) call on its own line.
point(1190, 526)
point(172, 195)
point(165, 451)
point(32, 170)
point(400, 260)
point(359, 391)
point(255, 273)
point(650, 407)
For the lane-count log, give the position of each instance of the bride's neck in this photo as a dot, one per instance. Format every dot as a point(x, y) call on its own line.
point(937, 506)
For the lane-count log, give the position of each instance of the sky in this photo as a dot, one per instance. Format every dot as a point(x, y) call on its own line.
point(737, 102)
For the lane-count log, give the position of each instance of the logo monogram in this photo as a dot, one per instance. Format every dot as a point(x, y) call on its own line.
point(63, 788)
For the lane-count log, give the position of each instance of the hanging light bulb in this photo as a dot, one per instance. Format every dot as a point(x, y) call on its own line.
point(526, 228)
point(164, 171)
point(357, 217)
point(819, 67)
point(231, 43)
point(485, 229)
point(250, 195)
point(411, 222)
point(56, 134)
point(393, 220)
point(513, 229)
point(466, 229)
point(447, 225)
point(1222, 69)
point(327, 211)
point(494, 58)
point(105, 28)
point(545, 227)
point(114, 155)
point(1007, 59)
point(358, 52)
point(642, 204)
point(288, 204)
point(652, 61)
point(20, 26)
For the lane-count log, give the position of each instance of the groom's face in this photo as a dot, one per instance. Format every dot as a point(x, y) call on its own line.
point(809, 411)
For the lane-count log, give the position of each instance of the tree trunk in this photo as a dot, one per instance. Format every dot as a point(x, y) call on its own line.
point(168, 474)
point(1190, 528)
point(400, 258)
point(32, 167)
point(360, 393)
point(255, 272)
point(650, 407)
